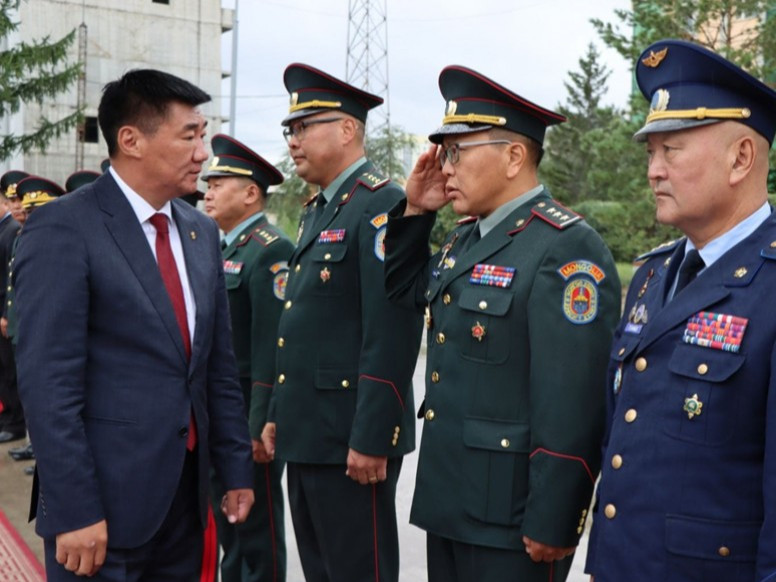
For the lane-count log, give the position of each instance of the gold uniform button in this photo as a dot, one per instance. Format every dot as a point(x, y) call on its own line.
point(10, 288)
point(435, 377)
point(9, 303)
point(621, 352)
point(610, 511)
point(297, 268)
point(617, 461)
point(397, 429)
point(288, 304)
point(345, 384)
point(394, 442)
point(631, 415)
point(724, 551)
point(703, 369)
point(641, 364)
point(327, 256)
point(584, 513)
point(504, 443)
point(483, 305)
point(282, 379)
point(430, 415)
point(281, 342)
point(446, 299)
point(440, 338)
point(579, 529)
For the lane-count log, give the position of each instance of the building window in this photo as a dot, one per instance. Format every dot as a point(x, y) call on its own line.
point(160, 1)
point(91, 131)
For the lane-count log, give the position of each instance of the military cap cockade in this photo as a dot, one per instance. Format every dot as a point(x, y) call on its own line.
point(9, 180)
point(476, 103)
point(232, 158)
point(80, 178)
point(35, 191)
point(688, 86)
point(313, 91)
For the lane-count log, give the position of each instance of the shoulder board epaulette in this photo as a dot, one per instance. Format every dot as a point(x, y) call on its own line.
point(666, 247)
point(466, 220)
point(556, 214)
point(262, 234)
point(373, 180)
point(310, 200)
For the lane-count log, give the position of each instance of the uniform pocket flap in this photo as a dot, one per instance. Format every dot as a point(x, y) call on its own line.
point(706, 364)
point(335, 379)
point(328, 253)
point(711, 539)
point(496, 435)
point(482, 301)
point(232, 282)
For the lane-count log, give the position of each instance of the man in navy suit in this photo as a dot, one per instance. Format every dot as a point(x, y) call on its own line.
point(126, 368)
point(688, 480)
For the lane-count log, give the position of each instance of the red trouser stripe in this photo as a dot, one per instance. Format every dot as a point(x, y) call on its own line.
point(209, 549)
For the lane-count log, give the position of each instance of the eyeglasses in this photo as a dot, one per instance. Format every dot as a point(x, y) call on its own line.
point(298, 129)
point(452, 153)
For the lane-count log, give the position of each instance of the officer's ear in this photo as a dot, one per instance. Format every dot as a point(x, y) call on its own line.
point(252, 193)
point(129, 141)
point(352, 130)
point(517, 157)
point(745, 155)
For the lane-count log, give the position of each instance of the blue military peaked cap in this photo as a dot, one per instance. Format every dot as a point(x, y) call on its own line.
point(9, 180)
point(688, 86)
point(80, 178)
point(476, 103)
point(313, 91)
point(35, 191)
point(232, 158)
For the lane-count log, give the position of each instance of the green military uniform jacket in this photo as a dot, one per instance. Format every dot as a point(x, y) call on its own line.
point(256, 270)
point(345, 355)
point(519, 328)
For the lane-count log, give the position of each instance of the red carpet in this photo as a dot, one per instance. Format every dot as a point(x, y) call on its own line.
point(17, 562)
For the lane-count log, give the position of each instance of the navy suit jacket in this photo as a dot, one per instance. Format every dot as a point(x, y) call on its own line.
point(103, 375)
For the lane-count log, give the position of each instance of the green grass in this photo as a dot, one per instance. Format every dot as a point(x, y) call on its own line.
point(625, 271)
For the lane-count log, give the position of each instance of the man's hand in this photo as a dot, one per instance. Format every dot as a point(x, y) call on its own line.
point(236, 504)
point(82, 551)
point(538, 552)
point(4, 327)
point(259, 452)
point(366, 469)
point(425, 186)
point(268, 439)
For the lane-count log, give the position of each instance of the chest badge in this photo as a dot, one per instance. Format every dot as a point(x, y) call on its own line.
point(233, 267)
point(427, 317)
point(478, 331)
point(492, 275)
point(325, 274)
point(645, 285)
point(718, 331)
point(692, 406)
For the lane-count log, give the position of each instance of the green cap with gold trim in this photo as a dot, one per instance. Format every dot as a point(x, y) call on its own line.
point(35, 191)
point(232, 158)
point(313, 91)
point(80, 178)
point(476, 103)
point(9, 180)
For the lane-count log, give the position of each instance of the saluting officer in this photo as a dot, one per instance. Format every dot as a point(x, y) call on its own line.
point(342, 405)
point(689, 472)
point(256, 257)
point(521, 301)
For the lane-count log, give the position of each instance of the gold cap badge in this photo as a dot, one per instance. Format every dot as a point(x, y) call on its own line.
point(654, 58)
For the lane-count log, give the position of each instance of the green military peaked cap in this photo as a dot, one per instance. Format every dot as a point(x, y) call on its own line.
point(80, 178)
point(313, 91)
point(9, 180)
point(232, 158)
point(35, 191)
point(476, 103)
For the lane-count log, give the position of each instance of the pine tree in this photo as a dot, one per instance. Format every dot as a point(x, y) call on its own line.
point(32, 73)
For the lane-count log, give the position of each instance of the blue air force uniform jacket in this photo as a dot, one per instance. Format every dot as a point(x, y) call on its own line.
point(519, 327)
point(345, 355)
point(688, 488)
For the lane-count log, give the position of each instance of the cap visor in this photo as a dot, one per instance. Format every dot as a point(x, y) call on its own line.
point(662, 125)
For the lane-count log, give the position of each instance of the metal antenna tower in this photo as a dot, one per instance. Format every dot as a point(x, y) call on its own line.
point(367, 60)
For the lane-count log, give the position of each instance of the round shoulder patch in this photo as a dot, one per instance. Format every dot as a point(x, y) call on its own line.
point(580, 301)
point(380, 244)
point(279, 284)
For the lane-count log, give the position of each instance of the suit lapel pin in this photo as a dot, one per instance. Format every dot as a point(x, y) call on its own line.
point(692, 406)
point(478, 331)
point(740, 273)
point(325, 274)
point(193, 235)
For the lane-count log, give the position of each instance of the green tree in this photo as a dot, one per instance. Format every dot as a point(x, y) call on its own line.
point(31, 73)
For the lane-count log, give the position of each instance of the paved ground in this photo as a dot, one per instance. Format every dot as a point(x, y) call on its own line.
point(15, 491)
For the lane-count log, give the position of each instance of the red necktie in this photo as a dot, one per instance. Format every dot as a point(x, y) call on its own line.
point(172, 281)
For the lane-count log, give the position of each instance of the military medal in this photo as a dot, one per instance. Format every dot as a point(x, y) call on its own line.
point(692, 406)
point(492, 275)
point(325, 274)
point(331, 236)
point(478, 331)
point(718, 331)
point(444, 262)
point(617, 380)
point(427, 317)
point(636, 319)
point(646, 283)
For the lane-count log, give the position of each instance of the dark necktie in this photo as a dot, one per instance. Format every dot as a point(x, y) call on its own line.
point(172, 282)
point(320, 205)
point(688, 270)
point(223, 244)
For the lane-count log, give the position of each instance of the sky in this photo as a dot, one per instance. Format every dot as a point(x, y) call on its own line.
point(528, 46)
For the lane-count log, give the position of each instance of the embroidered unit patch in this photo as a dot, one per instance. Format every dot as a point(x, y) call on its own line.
point(577, 267)
point(580, 301)
point(380, 244)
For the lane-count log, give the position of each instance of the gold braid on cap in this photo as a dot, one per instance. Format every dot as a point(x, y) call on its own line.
point(37, 198)
point(701, 113)
point(241, 171)
point(475, 118)
point(315, 103)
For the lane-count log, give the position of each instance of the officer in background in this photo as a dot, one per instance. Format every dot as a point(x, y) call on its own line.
point(80, 178)
point(12, 424)
point(521, 301)
point(341, 413)
point(687, 488)
point(256, 257)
